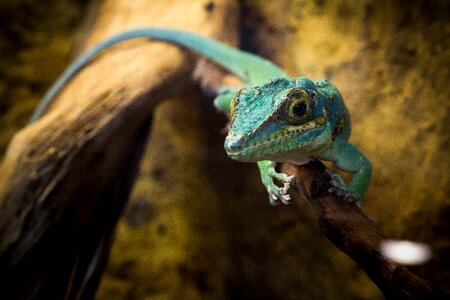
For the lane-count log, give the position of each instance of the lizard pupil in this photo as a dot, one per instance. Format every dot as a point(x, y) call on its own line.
point(299, 109)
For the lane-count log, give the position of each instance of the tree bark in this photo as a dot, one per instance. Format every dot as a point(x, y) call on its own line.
point(66, 178)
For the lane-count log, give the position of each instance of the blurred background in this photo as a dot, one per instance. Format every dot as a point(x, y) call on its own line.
point(199, 225)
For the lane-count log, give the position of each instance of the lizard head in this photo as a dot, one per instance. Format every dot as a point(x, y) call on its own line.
point(279, 120)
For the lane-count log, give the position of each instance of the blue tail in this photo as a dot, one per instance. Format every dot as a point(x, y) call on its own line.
point(252, 69)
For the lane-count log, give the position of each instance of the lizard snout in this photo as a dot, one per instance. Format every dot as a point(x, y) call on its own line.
point(233, 144)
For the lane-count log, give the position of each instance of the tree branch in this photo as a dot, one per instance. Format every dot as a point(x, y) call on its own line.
point(352, 232)
point(66, 178)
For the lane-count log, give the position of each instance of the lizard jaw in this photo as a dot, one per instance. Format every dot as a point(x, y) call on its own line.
point(239, 148)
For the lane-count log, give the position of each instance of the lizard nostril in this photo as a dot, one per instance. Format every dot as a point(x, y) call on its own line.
point(233, 144)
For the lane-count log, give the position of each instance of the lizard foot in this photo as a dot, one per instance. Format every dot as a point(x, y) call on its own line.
point(277, 194)
point(340, 188)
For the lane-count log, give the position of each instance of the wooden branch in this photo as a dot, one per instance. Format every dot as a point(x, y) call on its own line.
point(352, 232)
point(66, 178)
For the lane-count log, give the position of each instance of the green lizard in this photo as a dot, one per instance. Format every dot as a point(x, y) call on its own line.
point(274, 118)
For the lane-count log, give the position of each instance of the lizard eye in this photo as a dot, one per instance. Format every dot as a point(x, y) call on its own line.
point(298, 106)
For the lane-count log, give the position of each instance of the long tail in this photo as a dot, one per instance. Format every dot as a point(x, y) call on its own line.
point(252, 69)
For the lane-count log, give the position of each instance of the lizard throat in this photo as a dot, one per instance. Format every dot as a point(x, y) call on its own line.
point(270, 146)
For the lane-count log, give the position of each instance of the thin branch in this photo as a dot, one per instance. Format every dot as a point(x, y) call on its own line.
point(355, 234)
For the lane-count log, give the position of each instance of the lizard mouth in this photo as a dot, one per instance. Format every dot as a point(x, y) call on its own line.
point(243, 150)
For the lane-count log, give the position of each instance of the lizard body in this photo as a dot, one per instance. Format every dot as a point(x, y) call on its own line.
point(273, 119)
point(295, 120)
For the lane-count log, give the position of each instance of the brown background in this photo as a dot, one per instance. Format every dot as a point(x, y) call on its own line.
point(199, 225)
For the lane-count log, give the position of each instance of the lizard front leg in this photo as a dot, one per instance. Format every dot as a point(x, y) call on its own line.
point(266, 167)
point(268, 175)
point(348, 157)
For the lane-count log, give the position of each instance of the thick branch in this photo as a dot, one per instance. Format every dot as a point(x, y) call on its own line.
point(66, 178)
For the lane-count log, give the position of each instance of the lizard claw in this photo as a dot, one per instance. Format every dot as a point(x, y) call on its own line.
point(340, 188)
point(277, 194)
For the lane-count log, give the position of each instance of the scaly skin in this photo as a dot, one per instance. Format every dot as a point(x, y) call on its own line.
point(295, 120)
point(273, 119)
